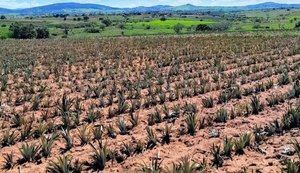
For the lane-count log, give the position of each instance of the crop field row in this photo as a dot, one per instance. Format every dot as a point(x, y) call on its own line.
point(150, 104)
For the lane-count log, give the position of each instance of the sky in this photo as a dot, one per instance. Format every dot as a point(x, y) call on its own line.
point(13, 4)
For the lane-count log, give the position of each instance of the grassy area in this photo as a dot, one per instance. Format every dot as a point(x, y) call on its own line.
point(4, 32)
point(150, 24)
point(169, 23)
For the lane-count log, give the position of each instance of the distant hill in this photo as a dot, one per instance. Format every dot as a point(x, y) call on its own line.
point(90, 8)
point(66, 8)
point(147, 9)
point(186, 7)
point(5, 11)
point(268, 5)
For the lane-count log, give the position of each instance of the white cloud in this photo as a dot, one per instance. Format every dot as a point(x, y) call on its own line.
point(13, 4)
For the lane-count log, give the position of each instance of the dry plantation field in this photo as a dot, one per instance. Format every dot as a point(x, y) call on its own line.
point(150, 104)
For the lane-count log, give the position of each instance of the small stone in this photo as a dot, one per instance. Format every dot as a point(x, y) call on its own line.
point(213, 133)
point(288, 151)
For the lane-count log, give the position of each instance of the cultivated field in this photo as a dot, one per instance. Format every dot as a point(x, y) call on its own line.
point(150, 104)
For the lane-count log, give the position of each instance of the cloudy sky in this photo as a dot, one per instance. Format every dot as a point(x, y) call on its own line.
point(133, 3)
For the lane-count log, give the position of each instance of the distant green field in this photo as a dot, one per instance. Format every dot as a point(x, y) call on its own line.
point(4, 32)
point(169, 23)
point(150, 24)
point(294, 17)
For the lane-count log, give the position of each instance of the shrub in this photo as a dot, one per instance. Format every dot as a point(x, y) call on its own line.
point(8, 161)
point(154, 166)
point(296, 146)
point(64, 106)
point(9, 138)
point(295, 91)
point(221, 116)
point(128, 149)
point(68, 139)
point(122, 104)
point(187, 166)
point(92, 115)
point(47, 144)
point(86, 18)
point(208, 102)
point(21, 31)
point(107, 22)
point(284, 78)
point(297, 25)
point(152, 138)
point(92, 30)
point(84, 135)
point(191, 123)
point(292, 166)
point(256, 105)
point(163, 18)
point(98, 132)
point(178, 28)
point(122, 127)
point(202, 27)
point(111, 131)
point(239, 146)
point(148, 27)
point(63, 165)
point(258, 134)
point(217, 158)
point(166, 134)
point(241, 143)
point(17, 120)
point(122, 26)
point(291, 119)
point(228, 144)
point(29, 153)
point(99, 156)
point(220, 27)
point(275, 99)
point(256, 26)
point(42, 33)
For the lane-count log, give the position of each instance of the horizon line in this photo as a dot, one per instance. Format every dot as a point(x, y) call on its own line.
point(149, 6)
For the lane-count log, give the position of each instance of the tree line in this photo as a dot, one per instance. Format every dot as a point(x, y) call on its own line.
point(28, 31)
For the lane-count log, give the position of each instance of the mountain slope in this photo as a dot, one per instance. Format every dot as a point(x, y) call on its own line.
point(147, 9)
point(186, 7)
point(89, 8)
point(5, 11)
point(66, 7)
point(268, 5)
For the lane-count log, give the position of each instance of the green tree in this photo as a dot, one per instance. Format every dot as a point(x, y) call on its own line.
point(21, 31)
point(163, 18)
point(107, 22)
point(122, 26)
point(42, 33)
point(66, 32)
point(223, 26)
point(3, 17)
point(102, 26)
point(202, 27)
point(178, 28)
point(92, 29)
point(86, 18)
point(297, 25)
